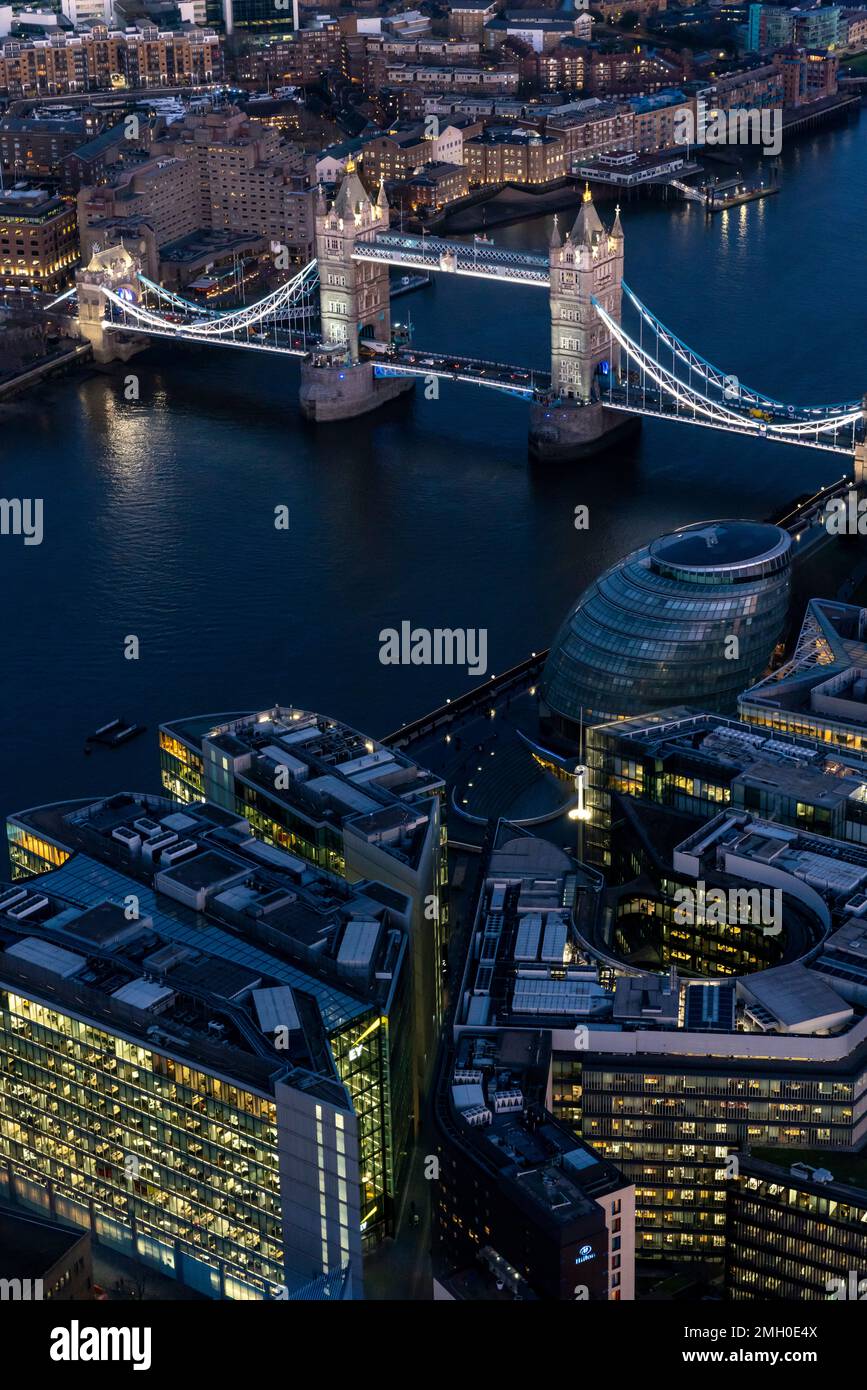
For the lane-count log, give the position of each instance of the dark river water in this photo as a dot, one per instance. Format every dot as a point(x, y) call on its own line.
point(159, 515)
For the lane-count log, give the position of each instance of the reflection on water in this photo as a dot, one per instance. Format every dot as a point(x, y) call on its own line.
point(159, 514)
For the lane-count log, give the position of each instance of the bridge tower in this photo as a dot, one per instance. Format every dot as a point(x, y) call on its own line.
point(337, 383)
point(861, 448)
point(589, 263)
point(353, 295)
point(586, 265)
point(114, 268)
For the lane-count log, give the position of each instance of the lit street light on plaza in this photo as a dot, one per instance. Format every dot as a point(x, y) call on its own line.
point(580, 813)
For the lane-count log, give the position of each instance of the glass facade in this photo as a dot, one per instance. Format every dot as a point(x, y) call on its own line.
point(670, 1130)
point(163, 1160)
point(787, 1240)
point(271, 17)
point(218, 760)
point(620, 766)
point(645, 930)
point(804, 723)
point(664, 621)
point(700, 764)
point(30, 853)
point(369, 1046)
point(279, 824)
point(181, 769)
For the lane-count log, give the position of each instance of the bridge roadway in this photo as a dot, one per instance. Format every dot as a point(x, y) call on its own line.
point(479, 258)
point(284, 342)
point(522, 382)
point(499, 376)
point(650, 401)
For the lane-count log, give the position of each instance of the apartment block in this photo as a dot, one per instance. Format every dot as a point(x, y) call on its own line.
point(38, 239)
point(101, 59)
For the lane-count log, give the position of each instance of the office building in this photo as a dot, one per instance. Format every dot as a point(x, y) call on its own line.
point(277, 995)
point(321, 790)
point(666, 1071)
point(82, 12)
point(521, 1206)
point(821, 691)
point(682, 763)
point(41, 1260)
point(797, 1230)
point(254, 17)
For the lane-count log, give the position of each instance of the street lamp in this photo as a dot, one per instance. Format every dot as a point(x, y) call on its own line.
point(580, 813)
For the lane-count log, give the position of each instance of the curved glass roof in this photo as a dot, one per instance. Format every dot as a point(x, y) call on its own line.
point(715, 545)
point(646, 635)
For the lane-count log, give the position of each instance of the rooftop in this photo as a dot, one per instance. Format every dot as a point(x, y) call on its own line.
point(235, 909)
point(26, 204)
point(827, 673)
point(333, 773)
point(848, 1170)
point(32, 1245)
point(497, 1085)
point(719, 545)
point(524, 960)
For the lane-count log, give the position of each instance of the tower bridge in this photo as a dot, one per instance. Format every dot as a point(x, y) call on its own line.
point(612, 361)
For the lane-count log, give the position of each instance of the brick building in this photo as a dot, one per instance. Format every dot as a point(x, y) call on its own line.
point(808, 74)
point(597, 128)
point(509, 155)
point(38, 241)
point(101, 59)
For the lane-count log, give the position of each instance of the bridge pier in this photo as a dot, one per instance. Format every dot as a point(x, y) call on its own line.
point(566, 431)
point(341, 391)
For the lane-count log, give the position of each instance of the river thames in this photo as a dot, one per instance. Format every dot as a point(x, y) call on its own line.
point(159, 515)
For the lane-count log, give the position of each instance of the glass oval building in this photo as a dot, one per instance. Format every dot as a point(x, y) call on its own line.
point(655, 630)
